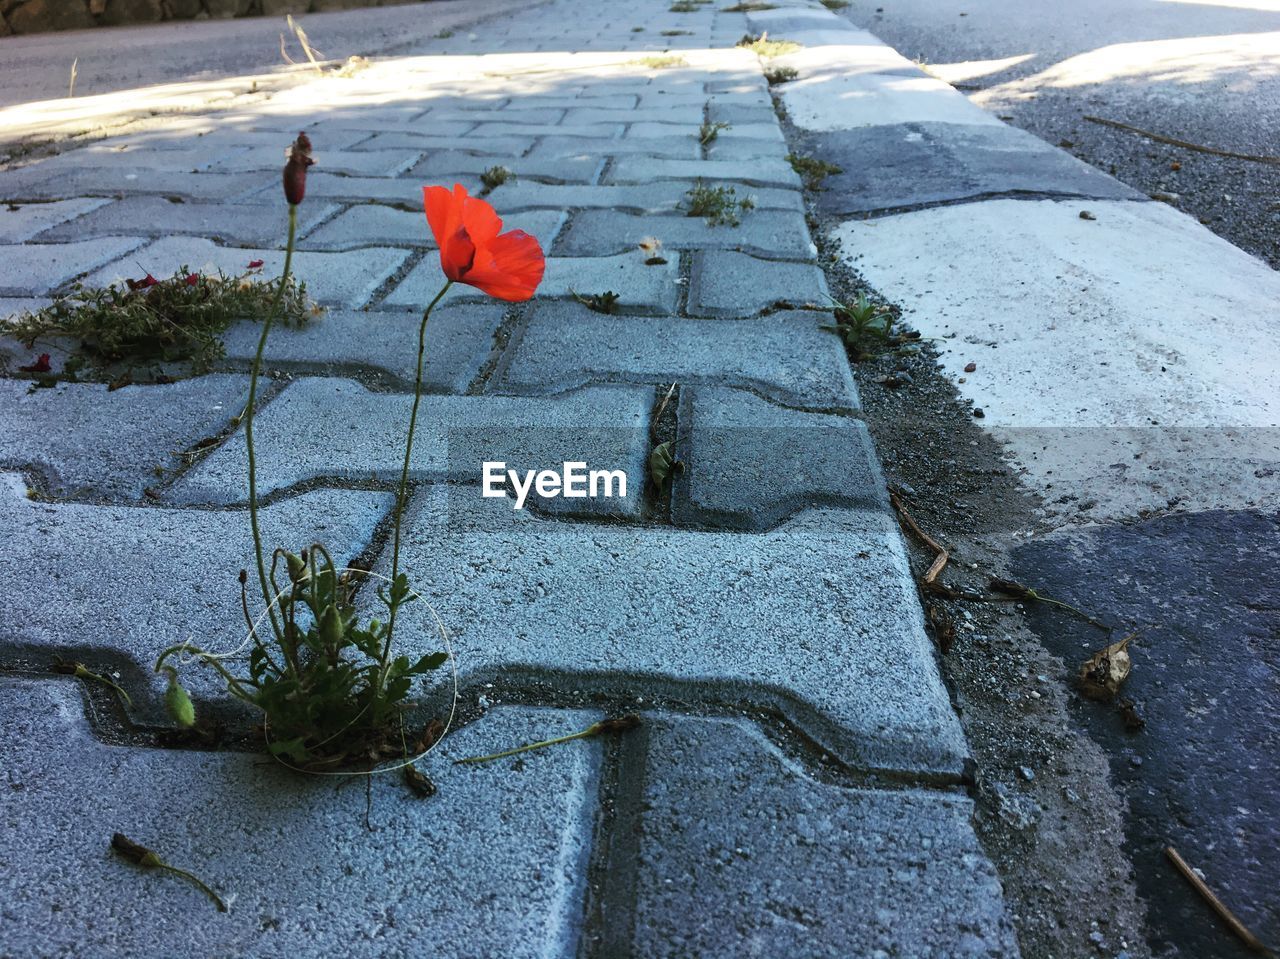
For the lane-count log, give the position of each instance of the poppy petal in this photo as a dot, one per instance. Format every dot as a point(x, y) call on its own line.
point(511, 268)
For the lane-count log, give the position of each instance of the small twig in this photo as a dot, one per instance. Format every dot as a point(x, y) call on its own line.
point(71, 89)
point(940, 560)
point(1185, 144)
point(147, 859)
point(1225, 914)
point(302, 39)
point(285, 53)
point(621, 724)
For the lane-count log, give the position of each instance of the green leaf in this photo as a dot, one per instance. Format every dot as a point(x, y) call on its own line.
point(429, 662)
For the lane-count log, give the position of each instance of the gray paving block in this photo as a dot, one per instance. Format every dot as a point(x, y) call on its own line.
point(459, 341)
point(372, 223)
point(754, 173)
point(40, 268)
point(353, 162)
point(336, 429)
point(886, 167)
point(765, 233)
point(19, 222)
point(740, 844)
point(35, 183)
point(362, 189)
point(768, 130)
point(655, 198)
point(408, 139)
point(443, 165)
point(536, 102)
point(513, 112)
point(129, 581)
point(817, 618)
point(641, 289)
point(553, 148)
point(749, 463)
point(725, 283)
point(292, 853)
point(89, 443)
point(744, 149)
point(739, 113)
point(786, 356)
point(513, 128)
point(686, 110)
point(258, 224)
point(338, 279)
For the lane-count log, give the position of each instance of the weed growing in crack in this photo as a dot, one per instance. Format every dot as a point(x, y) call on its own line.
point(869, 329)
point(749, 6)
point(709, 131)
point(776, 75)
point(812, 171)
point(688, 6)
point(659, 63)
point(677, 33)
point(719, 205)
point(606, 302)
point(494, 177)
point(765, 48)
point(117, 329)
point(834, 4)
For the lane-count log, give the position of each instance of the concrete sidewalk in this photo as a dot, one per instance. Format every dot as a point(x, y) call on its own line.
point(798, 785)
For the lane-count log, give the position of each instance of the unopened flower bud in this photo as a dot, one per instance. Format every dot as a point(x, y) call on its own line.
point(331, 627)
point(297, 566)
point(295, 171)
point(179, 703)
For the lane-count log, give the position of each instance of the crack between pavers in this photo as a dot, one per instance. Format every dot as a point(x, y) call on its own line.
point(887, 211)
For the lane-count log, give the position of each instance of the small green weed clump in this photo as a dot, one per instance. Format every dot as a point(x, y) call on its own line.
point(812, 171)
point(688, 6)
point(709, 131)
point(775, 75)
point(150, 321)
point(762, 46)
point(834, 4)
point(659, 63)
point(749, 6)
point(869, 329)
point(494, 177)
point(719, 205)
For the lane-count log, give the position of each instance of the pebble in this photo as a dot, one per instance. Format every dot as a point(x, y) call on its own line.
point(977, 413)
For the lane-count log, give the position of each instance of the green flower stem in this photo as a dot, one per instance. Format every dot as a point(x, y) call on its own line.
point(148, 859)
point(81, 671)
point(403, 493)
point(248, 420)
point(234, 685)
point(621, 724)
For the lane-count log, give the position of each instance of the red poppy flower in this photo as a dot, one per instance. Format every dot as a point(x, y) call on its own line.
point(254, 264)
point(144, 283)
point(41, 365)
point(193, 279)
point(475, 251)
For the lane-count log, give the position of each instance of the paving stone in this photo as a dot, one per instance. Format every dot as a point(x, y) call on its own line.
point(724, 283)
point(358, 163)
point(460, 339)
point(670, 131)
point(129, 581)
point(743, 149)
point(87, 442)
point(285, 848)
point(915, 163)
point(40, 268)
point(33, 183)
point(754, 173)
point(597, 131)
point(778, 620)
point(785, 356)
point(685, 148)
point(845, 101)
point(741, 114)
point(740, 844)
point(657, 198)
point(749, 463)
point(514, 112)
point(260, 224)
point(445, 164)
point(370, 223)
point(407, 139)
point(23, 221)
point(765, 233)
point(338, 279)
point(336, 429)
point(359, 189)
point(641, 289)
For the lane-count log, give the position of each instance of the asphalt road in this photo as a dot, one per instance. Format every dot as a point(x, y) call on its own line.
point(1207, 72)
point(38, 67)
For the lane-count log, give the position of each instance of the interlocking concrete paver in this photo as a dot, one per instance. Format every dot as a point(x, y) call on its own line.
point(655, 198)
point(459, 337)
point(749, 463)
point(19, 222)
point(129, 581)
point(291, 853)
point(751, 854)
point(346, 279)
point(685, 148)
point(402, 190)
point(764, 233)
point(755, 173)
point(777, 619)
point(34, 269)
point(445, 165)
point(786, 356)
point(370, 224)
point(35, 183)
point(88, 442)
point(329, 428)
point(355, 162)
point(725, 283)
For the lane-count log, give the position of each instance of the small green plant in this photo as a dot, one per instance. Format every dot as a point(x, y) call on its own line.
point(749, 6)
point(637, 29)
point(812, 171)
point(659, 63)
point(719, 205)
point(444, 34)
point(685, 6)
point(148, 322)
point(494, 177)
point(677, 33)
point(834, 4)
point(775, 75)
point(867, 328)
point(606, 302)
point(763, 47)
point(709, 131)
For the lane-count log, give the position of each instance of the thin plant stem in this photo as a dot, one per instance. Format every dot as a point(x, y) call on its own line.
point(619, 725)
point(402, 494)
point(217, 900)
point(248, 420)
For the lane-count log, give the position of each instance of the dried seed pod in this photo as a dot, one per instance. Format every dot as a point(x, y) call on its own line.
point(1102, 675)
